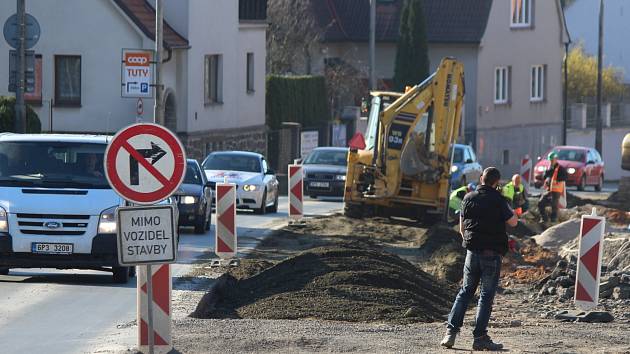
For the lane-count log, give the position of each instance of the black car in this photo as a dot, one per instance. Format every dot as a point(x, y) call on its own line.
point(194, 199)
point(325, 172)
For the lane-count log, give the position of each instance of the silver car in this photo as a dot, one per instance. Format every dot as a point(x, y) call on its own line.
point(256, 183)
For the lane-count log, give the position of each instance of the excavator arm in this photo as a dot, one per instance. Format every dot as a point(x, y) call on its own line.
point(422, 123)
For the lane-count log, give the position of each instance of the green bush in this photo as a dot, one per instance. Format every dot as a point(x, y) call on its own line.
point(7, 116)
point(299, 99)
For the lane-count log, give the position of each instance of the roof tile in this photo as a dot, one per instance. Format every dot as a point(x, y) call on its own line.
point(143, 15)
point(448, 21)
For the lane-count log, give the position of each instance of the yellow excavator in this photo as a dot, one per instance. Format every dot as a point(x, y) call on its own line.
point(402, 168)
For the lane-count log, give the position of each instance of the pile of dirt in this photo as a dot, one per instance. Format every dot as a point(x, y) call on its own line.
point(616, 255)
point(618, 200)
point(529, 263)
point(436, 250)
point(332, 283)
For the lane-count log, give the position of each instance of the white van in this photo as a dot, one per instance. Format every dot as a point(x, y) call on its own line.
point(57, 209)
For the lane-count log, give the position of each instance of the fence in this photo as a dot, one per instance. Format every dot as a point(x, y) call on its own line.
point(584, 115)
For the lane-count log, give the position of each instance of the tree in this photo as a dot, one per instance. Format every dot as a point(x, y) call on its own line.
point(7, 116)
point(412, 59)
point(582, 83)
point(292, 35)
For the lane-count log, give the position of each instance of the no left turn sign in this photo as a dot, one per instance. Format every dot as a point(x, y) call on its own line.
point(145, 163)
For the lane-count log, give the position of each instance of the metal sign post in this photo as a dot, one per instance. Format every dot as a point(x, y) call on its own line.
point(145, 164)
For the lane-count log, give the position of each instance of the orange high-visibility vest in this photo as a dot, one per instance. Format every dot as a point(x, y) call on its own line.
point(556, 186)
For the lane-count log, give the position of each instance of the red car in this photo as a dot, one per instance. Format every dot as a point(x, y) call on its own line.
point(584, 167)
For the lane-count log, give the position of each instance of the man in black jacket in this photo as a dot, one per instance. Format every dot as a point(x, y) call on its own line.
point(482, 225)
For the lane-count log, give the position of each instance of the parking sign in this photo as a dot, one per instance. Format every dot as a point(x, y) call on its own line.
point(137, 73)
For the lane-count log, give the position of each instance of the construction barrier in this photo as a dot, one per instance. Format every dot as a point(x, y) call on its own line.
point(225, 236)
point(526, 172)
point(162, 321)
point(296, 192)
point(589, 261)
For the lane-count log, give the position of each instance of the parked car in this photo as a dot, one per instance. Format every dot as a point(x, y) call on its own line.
point(584, 166)
point(256, 183)
point(465, 168)
point(194, 198)
point(325, 172)
point(57, 209)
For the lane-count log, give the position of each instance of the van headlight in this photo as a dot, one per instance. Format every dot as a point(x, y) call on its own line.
point(4, 221)
point(107, 221)
point(189, 199)
point(454, 168)
point(571, 170)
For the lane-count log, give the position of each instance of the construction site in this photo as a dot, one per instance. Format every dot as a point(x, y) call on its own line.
point(335, 284)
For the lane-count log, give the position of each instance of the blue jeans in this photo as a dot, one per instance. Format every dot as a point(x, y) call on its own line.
point(484, 267)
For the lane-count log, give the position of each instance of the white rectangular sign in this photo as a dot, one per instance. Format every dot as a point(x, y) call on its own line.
point(309, 140)
point(146, 235)
point(137, 73)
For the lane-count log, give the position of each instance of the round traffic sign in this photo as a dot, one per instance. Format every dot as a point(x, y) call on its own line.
point(140, 107)
point(12, 33)
point(145, 163)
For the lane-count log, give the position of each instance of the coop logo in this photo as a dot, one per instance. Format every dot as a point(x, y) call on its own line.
point(137, 59)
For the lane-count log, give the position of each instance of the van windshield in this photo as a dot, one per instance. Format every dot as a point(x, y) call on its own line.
point(52, 164)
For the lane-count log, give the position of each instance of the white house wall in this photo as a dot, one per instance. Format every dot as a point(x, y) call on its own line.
point(72, 27)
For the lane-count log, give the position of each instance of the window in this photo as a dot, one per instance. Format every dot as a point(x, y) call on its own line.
point(213, 79)
point(472, 154)
point(68, 80)
point(521, 13)
point(506, 157)
point(501, 84)
point(250, 72)
point(537, 92)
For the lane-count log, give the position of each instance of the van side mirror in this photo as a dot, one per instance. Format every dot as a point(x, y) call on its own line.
point(270, 172)
point(590, 162)
point(469, 161)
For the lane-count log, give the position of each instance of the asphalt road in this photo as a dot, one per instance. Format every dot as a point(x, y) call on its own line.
point(59, 311)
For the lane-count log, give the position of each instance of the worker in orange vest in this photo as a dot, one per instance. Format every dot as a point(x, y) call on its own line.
point(555, 179)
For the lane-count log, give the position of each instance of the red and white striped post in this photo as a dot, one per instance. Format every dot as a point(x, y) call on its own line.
point(589, 261)
point(296, 192)
point(225, 236)
point(162, 321)
point(526, 172)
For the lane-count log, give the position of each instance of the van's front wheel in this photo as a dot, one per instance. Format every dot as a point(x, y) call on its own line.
point(121, 275)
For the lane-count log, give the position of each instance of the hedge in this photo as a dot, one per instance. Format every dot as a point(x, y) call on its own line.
point(7, 116)
point(300, 99)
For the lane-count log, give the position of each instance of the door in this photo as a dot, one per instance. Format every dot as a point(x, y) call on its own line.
point(590, 168)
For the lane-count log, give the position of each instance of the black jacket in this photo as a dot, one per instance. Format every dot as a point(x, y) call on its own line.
point(484, 214)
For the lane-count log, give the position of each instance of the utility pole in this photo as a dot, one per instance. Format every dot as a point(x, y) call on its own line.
point(158, 108)
point(373, 45)
point(20, 108)
point(565, 95)
point(600, 57)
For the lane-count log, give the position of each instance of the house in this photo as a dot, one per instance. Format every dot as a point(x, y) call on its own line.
point(582, 22)
point(213, 75)
point(512, 52)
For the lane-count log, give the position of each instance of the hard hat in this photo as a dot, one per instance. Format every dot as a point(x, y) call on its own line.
point(472, 186)
point(552, 155)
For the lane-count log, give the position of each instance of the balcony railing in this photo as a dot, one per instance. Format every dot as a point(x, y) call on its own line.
point(252, 10)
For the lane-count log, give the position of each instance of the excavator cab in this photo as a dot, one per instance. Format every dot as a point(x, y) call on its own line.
point(404, 168)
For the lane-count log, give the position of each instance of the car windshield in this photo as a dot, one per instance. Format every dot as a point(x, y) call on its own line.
point(52, 164)
point(232, 162)
point(327, 157)
point(570, 155)
point(192, 174)
point(459, 155)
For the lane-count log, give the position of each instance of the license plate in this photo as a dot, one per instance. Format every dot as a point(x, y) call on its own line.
point(52, 248)
point(319, 184)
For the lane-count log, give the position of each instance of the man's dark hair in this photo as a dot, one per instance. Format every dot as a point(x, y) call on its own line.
point(491, 176)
